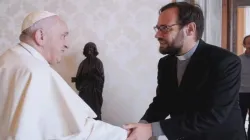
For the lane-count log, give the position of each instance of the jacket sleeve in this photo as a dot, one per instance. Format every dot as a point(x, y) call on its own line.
point(98, 130)
point(154, 112)
point(224, 95)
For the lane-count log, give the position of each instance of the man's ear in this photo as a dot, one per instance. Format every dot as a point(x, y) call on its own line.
point(39, 37)
point(191, 29)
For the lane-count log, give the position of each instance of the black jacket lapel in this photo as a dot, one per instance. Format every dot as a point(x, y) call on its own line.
point(194, 67)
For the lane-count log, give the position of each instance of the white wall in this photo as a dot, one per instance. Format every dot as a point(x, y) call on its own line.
point(123, 32)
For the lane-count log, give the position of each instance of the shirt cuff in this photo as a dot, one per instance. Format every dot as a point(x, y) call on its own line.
point(156, 129)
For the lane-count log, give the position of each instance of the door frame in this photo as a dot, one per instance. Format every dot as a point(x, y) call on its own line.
point(232, 22)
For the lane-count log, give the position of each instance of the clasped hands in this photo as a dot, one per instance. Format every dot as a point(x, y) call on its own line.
point(138, 131)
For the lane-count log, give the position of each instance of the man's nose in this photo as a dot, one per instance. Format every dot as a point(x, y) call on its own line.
point(158, 34)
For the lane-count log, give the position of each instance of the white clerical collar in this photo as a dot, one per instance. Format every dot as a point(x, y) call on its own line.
point(33, 52)
point(189, 53)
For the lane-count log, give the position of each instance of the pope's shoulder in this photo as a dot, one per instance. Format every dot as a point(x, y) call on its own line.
point(16, 59)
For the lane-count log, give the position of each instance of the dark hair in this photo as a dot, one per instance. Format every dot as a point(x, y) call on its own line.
point(244, 40)
point(90, 50)
point(188, 13)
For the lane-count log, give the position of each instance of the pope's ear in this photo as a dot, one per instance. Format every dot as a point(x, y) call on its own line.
point(39, 37)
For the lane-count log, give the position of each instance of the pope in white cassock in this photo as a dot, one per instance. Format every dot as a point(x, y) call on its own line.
point(35, 102)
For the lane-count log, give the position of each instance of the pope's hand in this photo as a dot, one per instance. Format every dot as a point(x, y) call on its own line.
point(138, 131)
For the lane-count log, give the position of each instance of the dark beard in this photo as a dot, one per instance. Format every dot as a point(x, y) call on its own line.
point(175, 47)
point(170, 50)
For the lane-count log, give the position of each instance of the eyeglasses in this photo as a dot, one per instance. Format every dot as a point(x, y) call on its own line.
point(164, 28)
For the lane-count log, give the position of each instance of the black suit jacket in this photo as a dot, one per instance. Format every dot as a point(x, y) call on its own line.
point(205, 106)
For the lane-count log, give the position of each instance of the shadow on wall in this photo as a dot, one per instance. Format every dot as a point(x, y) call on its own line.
point(67, 69)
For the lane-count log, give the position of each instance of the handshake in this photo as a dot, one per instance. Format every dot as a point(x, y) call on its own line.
point(139, 131)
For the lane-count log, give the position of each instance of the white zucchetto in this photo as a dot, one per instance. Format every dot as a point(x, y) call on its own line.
point(34, 17)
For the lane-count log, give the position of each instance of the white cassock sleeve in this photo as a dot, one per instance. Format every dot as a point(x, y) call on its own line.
point(37, 104)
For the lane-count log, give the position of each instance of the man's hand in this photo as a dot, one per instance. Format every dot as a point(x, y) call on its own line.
point(138, 131)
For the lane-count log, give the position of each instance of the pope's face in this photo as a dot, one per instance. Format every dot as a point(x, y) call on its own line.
point(57, 42)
